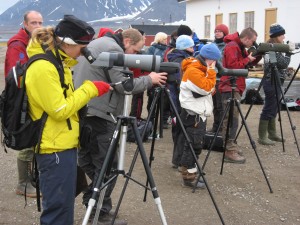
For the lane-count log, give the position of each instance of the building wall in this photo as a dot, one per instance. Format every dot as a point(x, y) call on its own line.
point(288, 15)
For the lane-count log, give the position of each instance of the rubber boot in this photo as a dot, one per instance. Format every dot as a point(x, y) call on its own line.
point(272, 131)
point(24, 180)
point(262, 133)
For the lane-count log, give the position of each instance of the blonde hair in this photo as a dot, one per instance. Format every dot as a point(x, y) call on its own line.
point(45, 36)
point(159, 37)
point(133, 34)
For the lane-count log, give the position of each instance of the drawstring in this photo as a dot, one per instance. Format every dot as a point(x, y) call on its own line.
point(197, 121)
point(57, 158)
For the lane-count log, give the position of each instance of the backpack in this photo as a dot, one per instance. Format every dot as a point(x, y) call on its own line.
point(141, 126)
point(252, 97)
point(19, 130)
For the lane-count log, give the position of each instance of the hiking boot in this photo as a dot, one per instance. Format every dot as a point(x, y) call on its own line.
point(191, 183)
point(234, 157)
point(24, 183)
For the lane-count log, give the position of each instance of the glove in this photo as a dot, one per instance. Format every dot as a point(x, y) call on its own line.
point(102, 87)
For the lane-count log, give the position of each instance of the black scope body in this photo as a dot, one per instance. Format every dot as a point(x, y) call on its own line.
point(231, 72)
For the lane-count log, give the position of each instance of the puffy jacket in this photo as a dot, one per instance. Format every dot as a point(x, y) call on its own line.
point(46, 94)
point(16, 50)
point(235, 57)
point(200, 80)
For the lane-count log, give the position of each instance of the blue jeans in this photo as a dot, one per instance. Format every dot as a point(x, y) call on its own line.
point(58, 172)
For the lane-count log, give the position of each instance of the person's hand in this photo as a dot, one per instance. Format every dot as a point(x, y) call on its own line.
point(250, 57)
point(158, 78)
point(102, 87)
point(212, 65)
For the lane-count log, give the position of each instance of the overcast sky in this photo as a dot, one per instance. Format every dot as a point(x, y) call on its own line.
point(5, 4)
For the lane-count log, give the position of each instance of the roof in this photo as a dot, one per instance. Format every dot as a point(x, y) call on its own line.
point(154, 29)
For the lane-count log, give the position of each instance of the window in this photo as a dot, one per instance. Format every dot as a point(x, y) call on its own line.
point(232, 22)
point(249, 19)
point(207, 26)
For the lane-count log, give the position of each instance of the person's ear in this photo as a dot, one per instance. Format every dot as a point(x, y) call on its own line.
point(126, 42)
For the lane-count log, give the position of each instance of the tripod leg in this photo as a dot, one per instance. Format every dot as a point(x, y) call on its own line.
point(293, 128)
point(104, 170)
point(252, 144)
point(154, 108)
point(158, 112)
point(250, 107)
point(226, 110)
point(149, 174)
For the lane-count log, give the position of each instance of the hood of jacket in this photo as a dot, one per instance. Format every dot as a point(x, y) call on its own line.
point(233, 37)
point(192, 62)
point(22, 36)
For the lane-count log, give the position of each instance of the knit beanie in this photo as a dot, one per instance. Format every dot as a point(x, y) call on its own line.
point(73, 31)
point(276, 30)
point(210, 51)
point(183, 42)
point(223, 28)
point(183, 29)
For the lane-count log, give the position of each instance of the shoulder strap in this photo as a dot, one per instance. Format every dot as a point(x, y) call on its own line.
point(49, 57)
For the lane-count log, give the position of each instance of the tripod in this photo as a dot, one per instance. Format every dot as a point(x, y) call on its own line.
point(229, 109)
point(276, 82)
point(105, 176)
point(157, 107)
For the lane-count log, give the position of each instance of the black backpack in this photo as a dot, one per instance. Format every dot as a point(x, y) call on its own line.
point(141, 126)
point(19, 131)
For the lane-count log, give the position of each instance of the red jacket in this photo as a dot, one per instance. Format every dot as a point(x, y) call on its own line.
point(235, 57)
point(16, 50)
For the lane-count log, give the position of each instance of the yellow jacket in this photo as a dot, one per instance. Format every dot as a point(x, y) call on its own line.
point(45, 93)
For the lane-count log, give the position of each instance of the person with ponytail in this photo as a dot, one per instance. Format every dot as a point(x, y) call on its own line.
point(57, 156)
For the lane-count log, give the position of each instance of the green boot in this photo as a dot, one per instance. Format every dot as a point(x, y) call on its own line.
point(24, 184)
point(272, 131)
point(262, 133)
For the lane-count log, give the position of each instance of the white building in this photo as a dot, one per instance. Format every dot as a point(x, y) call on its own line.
point(204, 15)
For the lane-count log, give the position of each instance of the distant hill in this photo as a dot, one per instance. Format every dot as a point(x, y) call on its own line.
point(118, 13)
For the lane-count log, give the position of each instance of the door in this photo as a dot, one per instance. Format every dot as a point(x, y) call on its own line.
point(270, 18)
point(219, 19)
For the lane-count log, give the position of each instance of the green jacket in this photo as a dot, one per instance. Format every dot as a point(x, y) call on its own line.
point(46, 94)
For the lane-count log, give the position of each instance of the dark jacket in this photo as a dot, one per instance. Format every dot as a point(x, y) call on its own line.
point(157, 49)
point(177, 56)
point(235, 57)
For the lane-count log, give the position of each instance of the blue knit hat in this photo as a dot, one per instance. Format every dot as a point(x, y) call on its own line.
point(210, 51)
point(276, 30)
point(183, 42)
